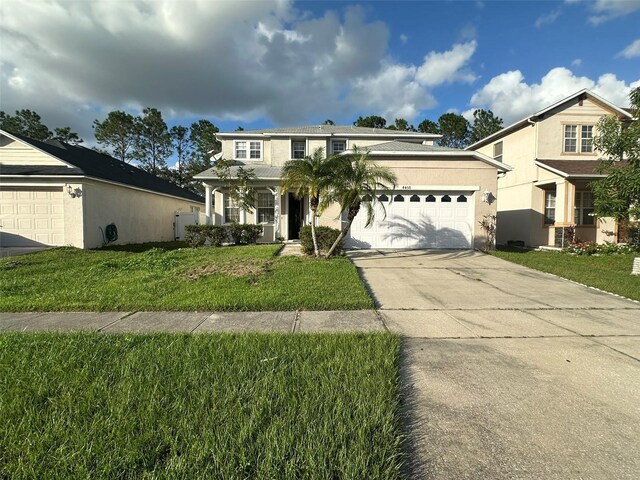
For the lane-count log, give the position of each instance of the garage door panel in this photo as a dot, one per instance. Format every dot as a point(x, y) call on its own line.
point(427, 223)
point(31, 216)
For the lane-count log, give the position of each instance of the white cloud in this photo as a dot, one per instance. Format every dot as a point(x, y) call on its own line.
point(403, 39)
point(510, 97)
point(605, 10)
point(548, 18)
point(74, 61)
point(450, 66)
point(576, 62)
point(631, 51)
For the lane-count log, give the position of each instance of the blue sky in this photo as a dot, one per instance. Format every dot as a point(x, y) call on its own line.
point(275, 63)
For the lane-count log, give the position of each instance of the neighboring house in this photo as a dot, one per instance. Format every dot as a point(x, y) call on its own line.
point(553, 161)
point(438, 202)
point(52, 193)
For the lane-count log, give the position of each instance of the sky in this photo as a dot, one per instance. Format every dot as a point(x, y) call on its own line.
point(282, 63)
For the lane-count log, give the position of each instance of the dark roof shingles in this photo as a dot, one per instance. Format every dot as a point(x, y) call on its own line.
point(576, 167)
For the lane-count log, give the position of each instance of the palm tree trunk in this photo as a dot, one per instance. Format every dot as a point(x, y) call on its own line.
point(353, 211)
point(313, 206)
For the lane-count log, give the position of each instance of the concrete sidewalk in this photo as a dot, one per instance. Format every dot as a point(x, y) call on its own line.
point(195, 322)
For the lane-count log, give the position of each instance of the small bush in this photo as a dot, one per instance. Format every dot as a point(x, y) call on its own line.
point(216, 235)
point(325, 237)
point(592, 248)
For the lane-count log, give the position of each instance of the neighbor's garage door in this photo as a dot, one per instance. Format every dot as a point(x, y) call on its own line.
point(417, 220)
point(31, 216)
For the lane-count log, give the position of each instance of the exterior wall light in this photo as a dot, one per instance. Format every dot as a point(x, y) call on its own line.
point(487, 197)
point(73, 192)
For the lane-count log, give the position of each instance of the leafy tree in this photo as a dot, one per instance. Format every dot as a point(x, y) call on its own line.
point(204, 145)
point(240, 186)
point(485, 123)
point(153, 144)
point(428, 126)
point(27, 123)
point(65, 135)
point(180, 140)
point(356, 181)
point(402, 125)
point(310, 176)
point(372, 121)
point(454, 129)
point(240, 129)
point(117, 134)
point(328, 122)
point(618, 195)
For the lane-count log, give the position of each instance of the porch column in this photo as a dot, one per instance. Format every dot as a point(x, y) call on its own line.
point(243, 216)
point(277, 205)
point(207, 195)
point(565, 198)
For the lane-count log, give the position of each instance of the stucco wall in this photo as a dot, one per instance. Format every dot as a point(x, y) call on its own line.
point(139, 216)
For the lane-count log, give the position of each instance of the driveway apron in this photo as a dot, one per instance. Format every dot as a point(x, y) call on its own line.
point(509, 372)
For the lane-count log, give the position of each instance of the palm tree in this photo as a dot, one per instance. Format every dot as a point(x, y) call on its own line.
point(309, 176)
point(355, 183)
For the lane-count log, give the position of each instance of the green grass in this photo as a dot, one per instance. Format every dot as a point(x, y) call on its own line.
point(199, 406)
point(248, 278)
point(611, 273)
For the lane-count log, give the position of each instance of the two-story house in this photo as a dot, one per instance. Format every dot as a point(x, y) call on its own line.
point(438, 202)
point(554, 162)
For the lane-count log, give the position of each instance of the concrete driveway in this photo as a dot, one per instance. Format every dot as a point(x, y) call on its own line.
point(509, 372)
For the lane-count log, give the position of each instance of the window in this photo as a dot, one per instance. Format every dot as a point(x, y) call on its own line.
point(338, 146)
point(248, 149)
point(398, 198)
point(195, 209)
point(241, 149)
point(586, 139)
point(461, 199)
point(497, 151)
point(445, 198)
point(583, 210)
point(231, 210)
point(578, 136)
point(549, 207)
point(383, 198)
point(366, 198)
point(265, 207)
point(414, 198)
point(255, 150)
point(430, 198)
point(298, 149)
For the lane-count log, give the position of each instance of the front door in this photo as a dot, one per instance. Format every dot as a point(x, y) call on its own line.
point(295, 217)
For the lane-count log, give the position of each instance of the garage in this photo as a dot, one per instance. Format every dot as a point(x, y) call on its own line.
point(31, 216)
point(417, 219)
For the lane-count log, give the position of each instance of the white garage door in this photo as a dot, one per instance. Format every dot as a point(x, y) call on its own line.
point(31, 217)
point(417, 220)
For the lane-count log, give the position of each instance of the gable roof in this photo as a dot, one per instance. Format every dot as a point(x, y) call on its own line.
point(536, 116)
point(83, 161)
point(330, 131)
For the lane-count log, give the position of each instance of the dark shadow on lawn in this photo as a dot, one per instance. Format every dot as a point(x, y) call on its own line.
point(143, 247)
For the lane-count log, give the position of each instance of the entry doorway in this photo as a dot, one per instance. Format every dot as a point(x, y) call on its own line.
point(295, 215)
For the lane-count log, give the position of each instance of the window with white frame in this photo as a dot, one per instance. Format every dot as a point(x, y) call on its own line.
point(338, 146)
point(583, 209)
point(298, 148)
point(549, 207)
point(247, 149)
point(497, 151)
point(265, 207)
point(231, 210)
point(578, 138)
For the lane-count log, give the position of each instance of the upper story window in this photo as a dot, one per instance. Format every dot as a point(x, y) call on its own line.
point(578, 138)
point(298, 149)
point(583, 210)
point(338, 146)
point(247, 149)
point(497, 151)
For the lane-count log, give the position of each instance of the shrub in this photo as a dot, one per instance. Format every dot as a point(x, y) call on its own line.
point(251, 233)
point(592, 248)
point(217, 235)
point(234, 231)
point(325, 237)
point(195, 235)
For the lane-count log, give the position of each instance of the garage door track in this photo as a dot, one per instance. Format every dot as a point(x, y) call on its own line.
point(510, 372)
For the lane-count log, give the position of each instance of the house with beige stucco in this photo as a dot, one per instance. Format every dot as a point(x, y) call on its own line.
point(554, 162)
point(56, 194)
point(441, 196)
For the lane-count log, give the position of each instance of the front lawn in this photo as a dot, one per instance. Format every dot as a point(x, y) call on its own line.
point(146, 277)
point(611, 273)
point(199, 406)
